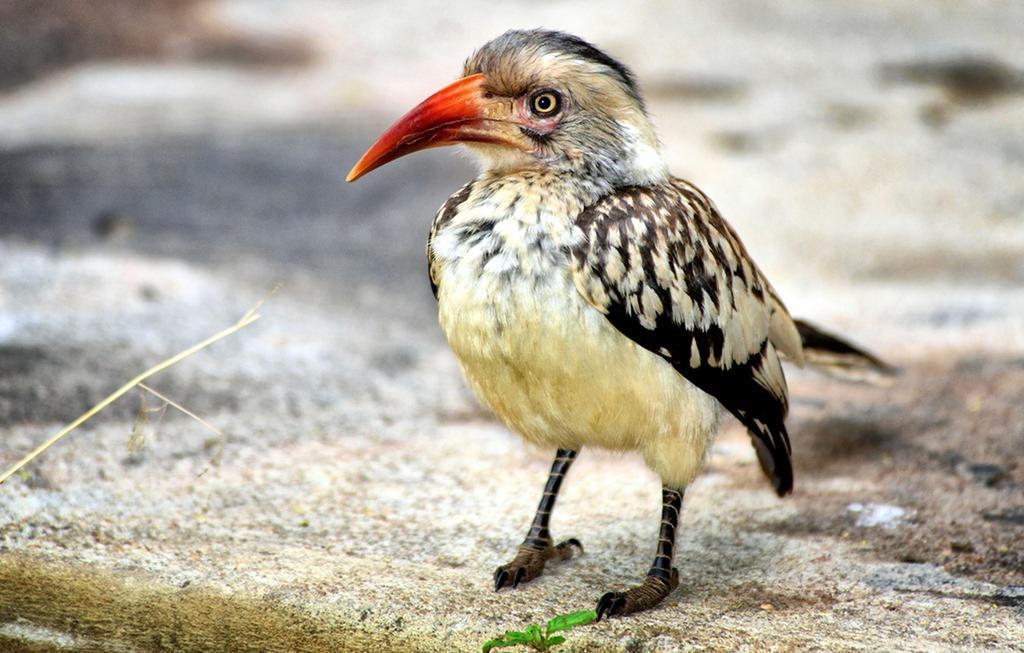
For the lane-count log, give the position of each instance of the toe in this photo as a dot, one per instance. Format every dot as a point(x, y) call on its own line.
point(564, 550)
point(636, 599)
point(529, 563)
point(520, 573)
point(500, 578)
point(610, 604)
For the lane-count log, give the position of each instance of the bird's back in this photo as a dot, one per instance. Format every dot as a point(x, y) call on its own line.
point(665, 268)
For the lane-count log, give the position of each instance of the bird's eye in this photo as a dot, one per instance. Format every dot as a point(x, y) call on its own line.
point(546, 103)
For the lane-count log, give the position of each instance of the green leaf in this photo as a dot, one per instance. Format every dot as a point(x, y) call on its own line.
point(510, 638)
point(555, 641)
point(571, 620)
point(534, 635)
point(496, 643)
point(557, 624)
point(517, 637)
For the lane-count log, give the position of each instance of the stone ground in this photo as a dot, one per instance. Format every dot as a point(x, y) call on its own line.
point(872, 158)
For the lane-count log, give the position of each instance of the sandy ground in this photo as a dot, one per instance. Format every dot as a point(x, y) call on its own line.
point(871, 155)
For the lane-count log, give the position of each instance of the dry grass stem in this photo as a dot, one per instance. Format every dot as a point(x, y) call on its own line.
point(173, 404)
point(251, 316)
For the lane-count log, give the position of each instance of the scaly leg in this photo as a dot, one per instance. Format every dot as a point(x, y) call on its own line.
point(537, 548)
point(662, 577)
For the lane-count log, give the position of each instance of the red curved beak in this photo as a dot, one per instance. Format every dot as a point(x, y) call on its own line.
point(458, 113)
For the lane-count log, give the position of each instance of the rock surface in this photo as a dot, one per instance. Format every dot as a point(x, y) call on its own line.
point(871, 156)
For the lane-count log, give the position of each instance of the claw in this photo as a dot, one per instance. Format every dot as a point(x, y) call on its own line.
point(519, 576)
point(500, 576)
point(572, 541)
point(609, 604)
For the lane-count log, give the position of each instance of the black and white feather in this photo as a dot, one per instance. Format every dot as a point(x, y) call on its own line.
point(668, 272)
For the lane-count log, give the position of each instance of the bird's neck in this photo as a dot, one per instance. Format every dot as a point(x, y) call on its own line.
point(642, 163)
point(545, 189)
point(512, 210)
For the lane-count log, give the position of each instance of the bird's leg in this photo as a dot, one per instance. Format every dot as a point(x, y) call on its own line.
point(538, 547)
point(662, 577)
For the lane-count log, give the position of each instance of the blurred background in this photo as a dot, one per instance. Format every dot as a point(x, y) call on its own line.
point(164, 164)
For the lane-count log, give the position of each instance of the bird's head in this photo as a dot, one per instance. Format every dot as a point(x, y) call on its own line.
point(535, 100)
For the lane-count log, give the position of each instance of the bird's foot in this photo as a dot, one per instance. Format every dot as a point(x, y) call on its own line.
point(529, 562)
point(642, 597)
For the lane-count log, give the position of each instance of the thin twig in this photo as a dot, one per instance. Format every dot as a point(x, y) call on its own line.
point(174, 404)
point(251, 316)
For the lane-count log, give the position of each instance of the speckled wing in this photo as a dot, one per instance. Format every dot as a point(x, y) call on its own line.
point(668, 272)
point(444, 216)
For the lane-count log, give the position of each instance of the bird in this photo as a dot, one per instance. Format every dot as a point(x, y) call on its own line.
point(591, 298)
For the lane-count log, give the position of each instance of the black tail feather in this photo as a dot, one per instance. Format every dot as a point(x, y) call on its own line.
point(775, 462)
point(837, 357)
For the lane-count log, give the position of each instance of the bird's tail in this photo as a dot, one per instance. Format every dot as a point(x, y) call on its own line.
point(839, 359)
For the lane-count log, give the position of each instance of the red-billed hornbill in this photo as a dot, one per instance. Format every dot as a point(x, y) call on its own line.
point(592, 298)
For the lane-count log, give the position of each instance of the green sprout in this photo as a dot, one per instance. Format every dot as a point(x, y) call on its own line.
point(542, 640)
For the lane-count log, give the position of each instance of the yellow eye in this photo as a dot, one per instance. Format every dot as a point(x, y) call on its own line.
point(546, 103)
